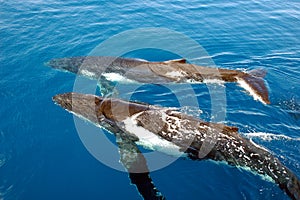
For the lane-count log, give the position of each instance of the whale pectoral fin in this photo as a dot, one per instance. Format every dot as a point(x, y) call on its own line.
point(130, 156)
point(107, 88)
point(145, 186)
point(181, 60)
point(136, 165)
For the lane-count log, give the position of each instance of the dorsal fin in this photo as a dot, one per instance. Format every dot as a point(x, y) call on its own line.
point(181, 60)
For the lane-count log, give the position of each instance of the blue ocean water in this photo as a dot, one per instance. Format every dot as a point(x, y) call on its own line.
point(41, 155)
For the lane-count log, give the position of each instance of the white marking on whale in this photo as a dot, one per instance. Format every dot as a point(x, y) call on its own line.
point(150, 140)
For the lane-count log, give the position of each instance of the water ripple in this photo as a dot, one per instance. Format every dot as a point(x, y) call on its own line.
point(236, 34)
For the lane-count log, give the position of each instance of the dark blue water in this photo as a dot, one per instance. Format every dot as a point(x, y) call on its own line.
point(41, 155)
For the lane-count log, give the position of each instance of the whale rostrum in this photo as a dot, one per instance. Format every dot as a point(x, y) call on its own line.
point(189, 136)
point(172, 71)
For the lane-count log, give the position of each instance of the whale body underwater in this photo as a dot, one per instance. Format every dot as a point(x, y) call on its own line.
point(172, 71)
point(185, 135)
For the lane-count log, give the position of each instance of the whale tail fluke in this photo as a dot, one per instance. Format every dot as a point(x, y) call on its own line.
point(254, 83)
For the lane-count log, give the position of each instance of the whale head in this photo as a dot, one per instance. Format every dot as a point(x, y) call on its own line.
point(66, 64)
point(85, 106)
point(96, 108)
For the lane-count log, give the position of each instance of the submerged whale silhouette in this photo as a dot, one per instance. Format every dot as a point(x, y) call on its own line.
point(187, 135)
point(178, 71)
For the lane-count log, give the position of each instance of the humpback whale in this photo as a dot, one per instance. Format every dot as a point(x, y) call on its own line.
point(178, 71)
point(185, 134)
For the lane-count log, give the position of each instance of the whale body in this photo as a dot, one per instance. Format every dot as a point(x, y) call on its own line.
point(172, 71)
point(180, 134)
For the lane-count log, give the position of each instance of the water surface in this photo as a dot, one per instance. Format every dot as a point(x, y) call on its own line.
point(41, 155)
